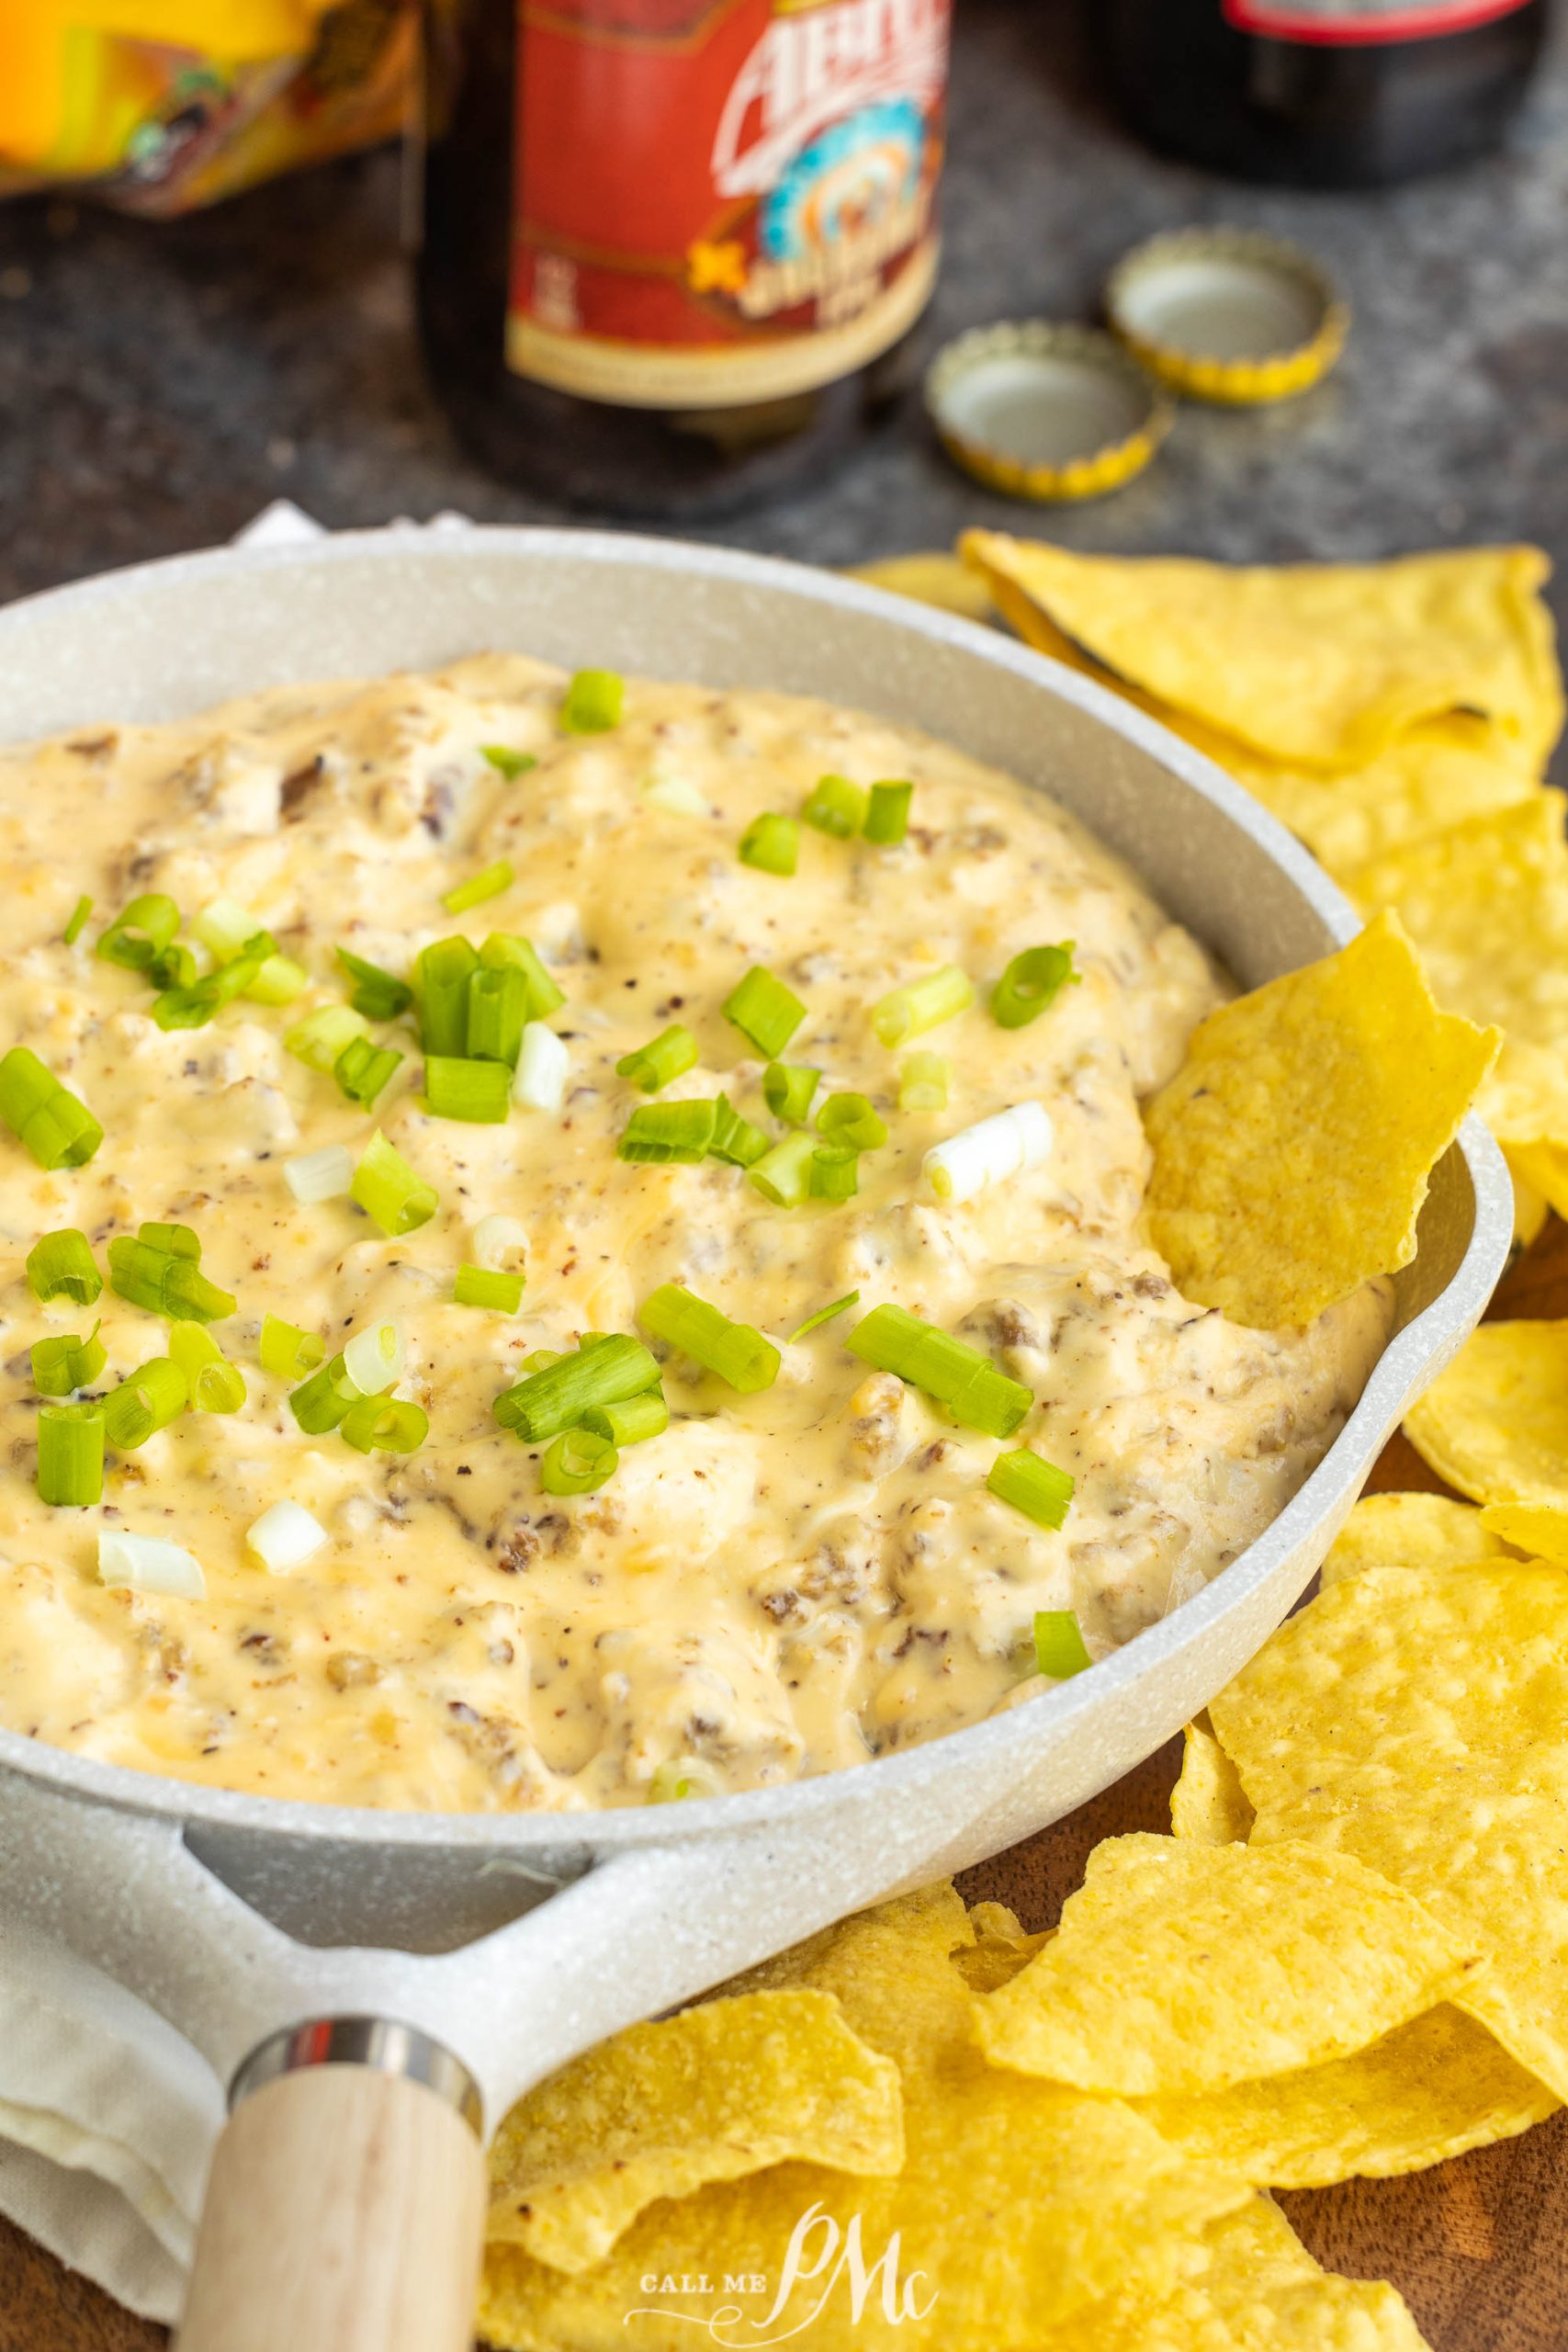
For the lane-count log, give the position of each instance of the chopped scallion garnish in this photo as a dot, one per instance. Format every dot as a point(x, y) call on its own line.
point(484, 1286)
point(507, 763)
point(555, 1395)
point(783, 1175)
point(166, 1280)
point(734, 1351)
point(652, 1066)
point(286, 1536)
point(373, 1359)
point(771, 843)
point(850, 1119)
point(61, 1365)
point(46, 1118)
point(836, 805)
point(288, 1352)
point(378, 995)
point(923, 1083)
point(71, 1455)
point(488, 883)
point(497, 1010)
point(764, 1011)
point(735, 1140)
point(140, 933)
point(504, 947)
point(788, 1089)
point(541, 1070)
point(78, 923)
point(321, 1037)
point(175, 969)
point(480, 1092)
point(1030, 982)
point(385, 1425)
point(144, 1404)
point(591, 704)
point(887, 817)
point(320, 1403)
point(324, 1175)
point(1059, 1649)
point(1033, 1485)
point(173, 1240)
point(631, 1423)
point(362, 1070)
point(62, 1265)
point(579, 1463)
point(922, 1004)
point(388, 1190)
point(957, 1376)
point(824, 1314)
point(834, 1173)
point(441, 978)
point(214, 1384)
point(1006, 1145)
point(658, 1132)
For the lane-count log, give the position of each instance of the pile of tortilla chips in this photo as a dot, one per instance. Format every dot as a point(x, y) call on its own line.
point(1398, 717)
point(926, 2128)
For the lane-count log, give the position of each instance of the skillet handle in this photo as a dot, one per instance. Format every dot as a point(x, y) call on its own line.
point(345, 2207)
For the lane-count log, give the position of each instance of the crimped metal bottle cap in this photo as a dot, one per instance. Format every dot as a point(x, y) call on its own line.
point(1046, 412)
point(1227, 314)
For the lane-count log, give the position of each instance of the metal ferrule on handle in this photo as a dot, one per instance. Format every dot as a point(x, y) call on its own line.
point(380, 2043)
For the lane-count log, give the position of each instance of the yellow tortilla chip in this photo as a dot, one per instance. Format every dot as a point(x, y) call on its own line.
point(933, 579)
point(722, 2089)
point(1185, 1967)
point(1261, 2292)
point(1323, 665)
point(1293, 1147)
point(1538, 1531)
point(1001, 1947)
point(1496, 1423)
point(1408, 1531)
point(1427, 2090)
point(1416, 1719)
point(1419, 786)
point(1531, 1206)
point(1208, 1803)
point(1019, 2204)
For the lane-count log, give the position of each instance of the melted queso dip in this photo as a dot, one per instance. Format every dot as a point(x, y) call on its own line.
point(788, 1577)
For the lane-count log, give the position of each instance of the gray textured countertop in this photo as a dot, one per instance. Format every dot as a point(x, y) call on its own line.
point(158, 384)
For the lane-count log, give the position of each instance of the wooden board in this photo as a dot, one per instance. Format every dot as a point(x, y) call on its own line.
point(1476, 2246)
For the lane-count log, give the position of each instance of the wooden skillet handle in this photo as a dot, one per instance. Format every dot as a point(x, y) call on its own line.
point(346, 2208)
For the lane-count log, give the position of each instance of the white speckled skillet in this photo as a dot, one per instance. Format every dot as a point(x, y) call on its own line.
point(344, 2198)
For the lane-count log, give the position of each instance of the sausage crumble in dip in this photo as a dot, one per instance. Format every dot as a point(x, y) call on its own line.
point(791, 1576)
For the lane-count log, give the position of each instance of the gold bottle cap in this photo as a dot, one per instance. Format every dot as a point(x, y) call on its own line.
point(1227, 314)
point(1046, 411)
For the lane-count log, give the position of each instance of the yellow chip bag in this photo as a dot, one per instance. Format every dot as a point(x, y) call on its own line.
point(934, 578)
point(1496, 1423)
point(1183, 1966)
point(1416, 1719)
point(1427, 2090)
point(1538, 1531)
point(1208, 1803)
point(1291, 1151)
point(1323, 665)
point(1408, 1531)
point(720, 2090)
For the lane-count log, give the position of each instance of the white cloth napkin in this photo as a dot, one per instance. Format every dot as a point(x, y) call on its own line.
point(108, 2115)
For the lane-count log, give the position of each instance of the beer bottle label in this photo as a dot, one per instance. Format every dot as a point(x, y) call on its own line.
point(721, 201)
point(1346, 24)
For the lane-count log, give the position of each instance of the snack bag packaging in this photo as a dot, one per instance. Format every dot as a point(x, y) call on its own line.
point(162, 105)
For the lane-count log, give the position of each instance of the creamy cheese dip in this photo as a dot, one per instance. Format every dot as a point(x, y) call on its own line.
point(781, 1583)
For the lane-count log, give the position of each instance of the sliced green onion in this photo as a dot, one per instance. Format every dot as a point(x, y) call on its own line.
point(385, 1425)
point(676, 796)
point(362, 1070)
point(682, 1776)
point(62, 1265)
point(1030, 982)
point(788, 1089)
point(925, 1005)
point(225, 928)
point(1033, 1485)
point(540, 1361)
point(632, 1421)
point(661, 1131)
point(991, 1152)
point(140, 933)
point(771, 843)
point(285, 1537)
point(324, 1175)
point(579, 1463)
point(378, 995)
point(144, 1404)
point(653, 1066)
point(834, 1174)
point(46, 1118)
point(214, 1384)
point(556, 1396)
point(825, 1315)
point(322, 1036)
point(193, 1005)
point(850, 1119)
point(506, 947)
point(591, 704)
point(373, 1359)
point(836, 805)
point(279, 981)
point(78, 923)
point(442, 977)
point(230, 932)
point(164, 1283)
point(61, 1365)
point(498, 1240)
point(497, 1010)
point(173, 1240)
point(320, 1403)
point(483, 1286)
point(71, 1455)
point(887, 817)
point(923, 1083)
point(735, 1140)
point(487, 883)
point(149, 1563)
point(480, 1092)
point(737, 1352)
point(174, 970)
point(764, 1011)
point(783, 1174)
point(507, 763)
point(1059, 1648)
point(286, 1352)
point(543, 1067)
point(959, 1376)
point(388, 1190)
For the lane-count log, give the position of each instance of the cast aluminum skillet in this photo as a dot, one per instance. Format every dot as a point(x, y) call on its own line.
point(369, 1977)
